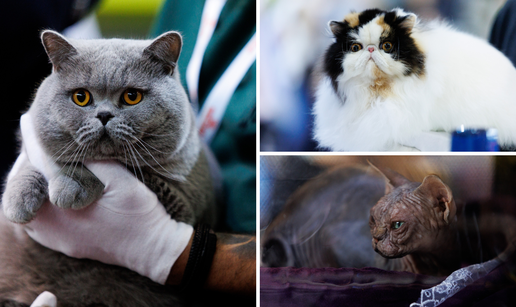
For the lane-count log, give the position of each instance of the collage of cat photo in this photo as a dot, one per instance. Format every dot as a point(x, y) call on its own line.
point(387, 169)
point(258, 153)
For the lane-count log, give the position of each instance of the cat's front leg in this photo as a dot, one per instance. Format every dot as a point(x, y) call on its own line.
point(24, 194)
point(75, 187)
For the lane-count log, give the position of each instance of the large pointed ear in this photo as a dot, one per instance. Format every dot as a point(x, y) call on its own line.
point(166, 49)
point(59, 50)
point(338, 28)
point(409, 20)
point(392, 178)
point(440, 194)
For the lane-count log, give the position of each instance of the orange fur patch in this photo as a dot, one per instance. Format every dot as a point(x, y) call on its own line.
point(352, 19)
point(386, 28)
point(382, 83)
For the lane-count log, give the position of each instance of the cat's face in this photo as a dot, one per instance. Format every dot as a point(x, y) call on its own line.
point(411, 218)
point(112, 99)
point(373, 46)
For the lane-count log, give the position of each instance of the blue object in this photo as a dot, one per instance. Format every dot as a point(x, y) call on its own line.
point(474, 140)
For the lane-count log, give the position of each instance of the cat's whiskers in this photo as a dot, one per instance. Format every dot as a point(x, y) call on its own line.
point(68, 161)
point(155, 149)
point(68, 145)
point(84, 158)
point(131, 158)
point(151, 134)
point(77, 153)
point(79, 160)
point(167, 175)
point(131, 147)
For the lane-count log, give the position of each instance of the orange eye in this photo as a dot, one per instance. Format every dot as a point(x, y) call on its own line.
point(387, 46)
point(132, 96)
point(356, 47)
point(81, 97)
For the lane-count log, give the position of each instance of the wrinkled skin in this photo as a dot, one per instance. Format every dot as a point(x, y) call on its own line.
point(414, 226)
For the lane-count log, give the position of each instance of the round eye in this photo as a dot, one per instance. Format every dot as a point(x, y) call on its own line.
point(387, 46)
point(396, 225)
point(132, 96)
point(356, 47)
point(81, 97)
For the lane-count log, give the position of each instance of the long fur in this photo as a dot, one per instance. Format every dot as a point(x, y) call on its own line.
point(451, 79)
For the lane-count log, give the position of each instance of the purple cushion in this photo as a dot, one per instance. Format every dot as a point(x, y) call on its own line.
point(372, 287)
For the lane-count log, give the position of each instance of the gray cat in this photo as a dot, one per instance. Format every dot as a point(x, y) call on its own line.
point(105, 99)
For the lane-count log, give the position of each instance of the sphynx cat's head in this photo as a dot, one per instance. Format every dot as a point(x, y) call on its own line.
point(412, 217)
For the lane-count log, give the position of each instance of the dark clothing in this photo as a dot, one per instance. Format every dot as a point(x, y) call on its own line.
point(503, 33)
point(234, 143)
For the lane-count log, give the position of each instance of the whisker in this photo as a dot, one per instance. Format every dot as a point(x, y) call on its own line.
point(146, 133)
point(143, 142)
point(132, 163)
point(84, 158)
point(64, 151)
point(167, 175)
point(131, 147)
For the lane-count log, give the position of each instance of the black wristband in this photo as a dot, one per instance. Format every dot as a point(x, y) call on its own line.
point(200, 258)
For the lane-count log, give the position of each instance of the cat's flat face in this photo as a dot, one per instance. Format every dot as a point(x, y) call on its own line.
point(411, 218)
point(394, 223)
point(112, 99)
point(375, 46)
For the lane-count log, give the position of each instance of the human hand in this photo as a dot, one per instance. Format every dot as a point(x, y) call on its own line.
point(45, 299)
point(127, 226)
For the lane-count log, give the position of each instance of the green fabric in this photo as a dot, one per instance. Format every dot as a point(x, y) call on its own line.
point(234, 144)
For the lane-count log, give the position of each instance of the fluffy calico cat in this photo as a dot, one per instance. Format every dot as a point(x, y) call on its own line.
point(105, 99)
point(387, 78)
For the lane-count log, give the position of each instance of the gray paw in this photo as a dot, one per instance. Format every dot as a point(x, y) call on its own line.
point(67, 193)
point(24, 195)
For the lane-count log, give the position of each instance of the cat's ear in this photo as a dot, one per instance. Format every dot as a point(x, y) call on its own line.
point(337, 28)
point(58, 49)
point(439, 194)
point(392, 179)
point(409, 20)
point(166, 49)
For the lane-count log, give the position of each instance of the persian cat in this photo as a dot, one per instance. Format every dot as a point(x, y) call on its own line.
point(105, 99)
point(387, 78)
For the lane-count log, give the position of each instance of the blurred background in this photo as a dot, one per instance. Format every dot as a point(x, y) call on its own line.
point(294, 35)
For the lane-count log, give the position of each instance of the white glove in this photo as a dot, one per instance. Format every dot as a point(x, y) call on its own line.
point(45, 299)
point(127, 226)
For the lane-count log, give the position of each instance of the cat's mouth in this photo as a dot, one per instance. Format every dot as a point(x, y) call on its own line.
point(390, 256)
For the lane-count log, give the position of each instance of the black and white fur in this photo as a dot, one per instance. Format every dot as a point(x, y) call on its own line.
point(432, 78)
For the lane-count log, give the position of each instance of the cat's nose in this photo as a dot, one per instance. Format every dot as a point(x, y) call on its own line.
point(370, 48)
point(104, 117)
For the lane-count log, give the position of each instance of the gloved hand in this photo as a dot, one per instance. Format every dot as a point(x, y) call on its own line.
point(127, 226)
point(45, 299)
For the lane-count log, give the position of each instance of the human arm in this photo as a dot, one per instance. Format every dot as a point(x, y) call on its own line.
point(233, 268)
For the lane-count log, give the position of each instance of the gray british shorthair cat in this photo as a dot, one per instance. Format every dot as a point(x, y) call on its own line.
point(105, 99)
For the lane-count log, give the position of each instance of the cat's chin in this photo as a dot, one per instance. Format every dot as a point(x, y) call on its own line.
point(390, 257)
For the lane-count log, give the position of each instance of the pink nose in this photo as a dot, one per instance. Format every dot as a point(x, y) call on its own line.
point(371, 49)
